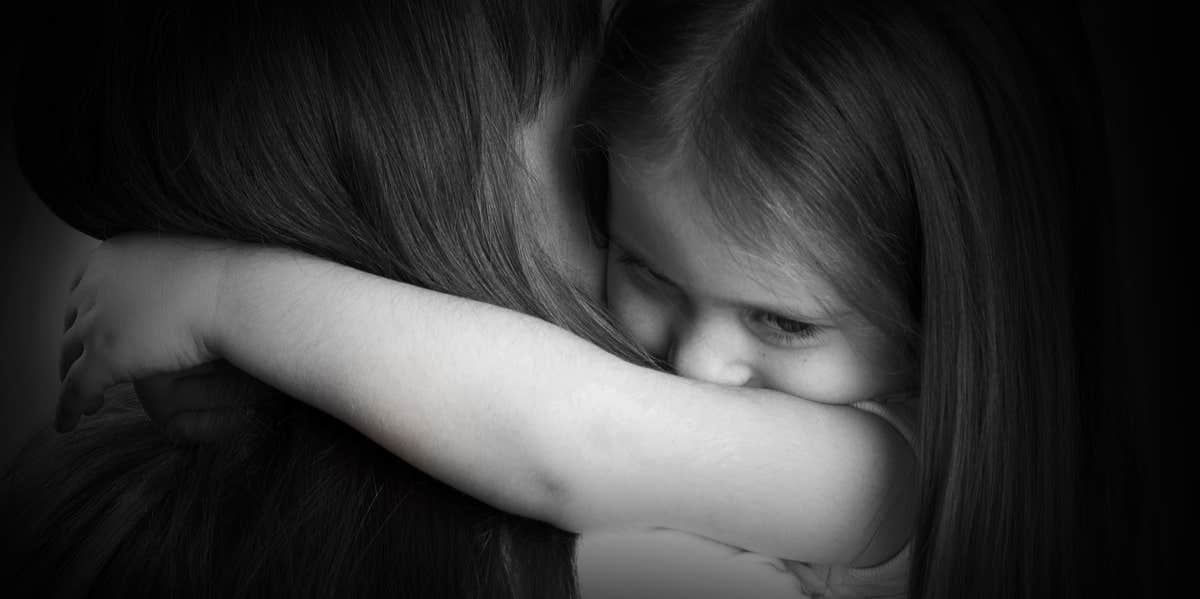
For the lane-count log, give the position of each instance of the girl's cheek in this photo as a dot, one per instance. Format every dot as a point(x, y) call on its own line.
point(820, 379)
point(836, 373)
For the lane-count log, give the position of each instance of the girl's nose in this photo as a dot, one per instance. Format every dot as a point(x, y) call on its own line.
point(711, 351)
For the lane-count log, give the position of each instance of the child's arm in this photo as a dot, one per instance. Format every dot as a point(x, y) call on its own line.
point(507, 407)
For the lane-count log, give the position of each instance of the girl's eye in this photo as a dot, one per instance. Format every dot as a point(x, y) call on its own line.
point(781, 330)
point(640, 270)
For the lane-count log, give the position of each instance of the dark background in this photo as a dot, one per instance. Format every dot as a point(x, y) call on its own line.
point(1140, 73)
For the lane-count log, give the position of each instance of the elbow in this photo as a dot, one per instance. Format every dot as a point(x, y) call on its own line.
point(564, 504)
point(551, 490)
point(582, 470)
point(564, 501)
point(548, 499)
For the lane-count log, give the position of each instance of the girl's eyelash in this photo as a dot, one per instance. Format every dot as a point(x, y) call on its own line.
point(783, 330)
point(630, 259)
point(776, 329)
point(643, 268)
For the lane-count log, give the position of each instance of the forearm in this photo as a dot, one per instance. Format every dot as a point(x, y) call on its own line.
point(536, 421)
point(419, 372)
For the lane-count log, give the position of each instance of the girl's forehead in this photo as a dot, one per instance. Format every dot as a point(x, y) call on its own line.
point(759, 222)
point(657, 212)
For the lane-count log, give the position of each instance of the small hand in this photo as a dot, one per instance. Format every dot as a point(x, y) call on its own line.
point(142, 306)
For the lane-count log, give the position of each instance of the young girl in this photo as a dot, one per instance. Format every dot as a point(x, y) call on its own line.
point(815, 212)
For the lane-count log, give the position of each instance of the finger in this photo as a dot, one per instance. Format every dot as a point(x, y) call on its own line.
point(81, 299)
point(69, 319)
point(96, 400)
point(70, 396)
point(77, 277)
point(82, 391)
point(82, 269)
point(67, 412)
point(71, 350)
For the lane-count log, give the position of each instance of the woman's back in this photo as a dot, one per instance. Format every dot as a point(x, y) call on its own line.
point(298, 505)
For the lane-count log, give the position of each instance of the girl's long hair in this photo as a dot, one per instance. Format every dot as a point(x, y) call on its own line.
point(908, 151)
point(376, 133)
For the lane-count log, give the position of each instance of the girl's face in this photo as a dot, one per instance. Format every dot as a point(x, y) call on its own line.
point(718, 313)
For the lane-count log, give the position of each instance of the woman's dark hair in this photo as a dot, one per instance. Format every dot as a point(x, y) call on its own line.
point(302, 507)
point(914, 154)
point(377, 133)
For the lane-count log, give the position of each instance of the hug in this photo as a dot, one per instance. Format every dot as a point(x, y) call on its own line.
point(481, 298)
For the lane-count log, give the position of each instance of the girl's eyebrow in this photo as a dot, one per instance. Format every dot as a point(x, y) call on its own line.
point(826, 318)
